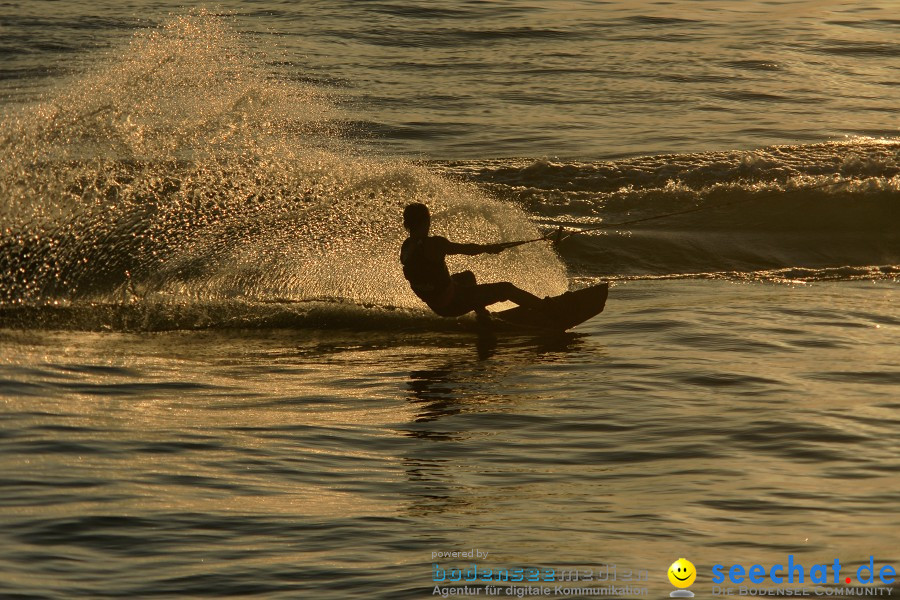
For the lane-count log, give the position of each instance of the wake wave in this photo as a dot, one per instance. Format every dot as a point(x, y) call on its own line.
point(819, 206)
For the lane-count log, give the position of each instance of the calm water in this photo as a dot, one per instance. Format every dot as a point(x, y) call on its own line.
point(216, 383)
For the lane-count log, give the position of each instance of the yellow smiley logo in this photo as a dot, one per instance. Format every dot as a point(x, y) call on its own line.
point(682, 573)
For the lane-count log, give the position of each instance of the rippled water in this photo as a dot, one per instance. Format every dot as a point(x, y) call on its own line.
point(215, 382)
point(577, 79)
point(722, 421)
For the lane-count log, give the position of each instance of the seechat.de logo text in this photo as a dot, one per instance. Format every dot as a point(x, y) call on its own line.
point(794, 572)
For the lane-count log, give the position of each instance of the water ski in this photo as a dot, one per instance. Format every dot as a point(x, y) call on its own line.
point(560, 312)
